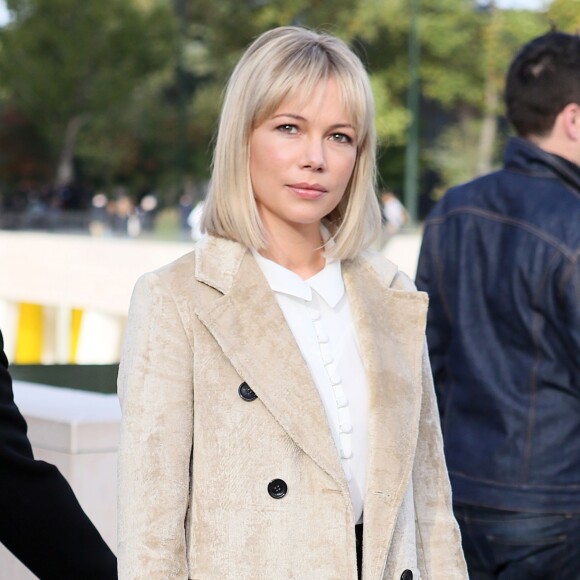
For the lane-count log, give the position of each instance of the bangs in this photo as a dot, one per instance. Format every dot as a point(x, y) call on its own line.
point(297, 79)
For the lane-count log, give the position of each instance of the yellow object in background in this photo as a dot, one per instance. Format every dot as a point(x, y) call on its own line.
point(76, 319)
point(29, 334)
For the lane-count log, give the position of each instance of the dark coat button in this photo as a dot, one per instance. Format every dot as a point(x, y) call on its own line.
point(277, 488)
point(246, 393)
point(407, 575)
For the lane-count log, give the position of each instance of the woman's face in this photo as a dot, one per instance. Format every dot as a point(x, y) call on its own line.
point(301, 160)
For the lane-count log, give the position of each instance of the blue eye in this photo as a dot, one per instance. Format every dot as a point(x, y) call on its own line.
point(341, 138)
point(287, 128)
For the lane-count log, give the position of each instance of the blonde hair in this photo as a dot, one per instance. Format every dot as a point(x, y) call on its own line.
point(280, 64)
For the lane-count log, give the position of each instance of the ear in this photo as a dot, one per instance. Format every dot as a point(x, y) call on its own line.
point(570, 116)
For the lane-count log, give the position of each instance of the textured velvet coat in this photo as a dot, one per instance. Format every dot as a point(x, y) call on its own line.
point(196, 459)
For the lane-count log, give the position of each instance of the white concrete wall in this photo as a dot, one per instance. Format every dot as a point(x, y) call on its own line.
point(97, 275)
point(77, 431)
point(62, 272)
point(78, 271)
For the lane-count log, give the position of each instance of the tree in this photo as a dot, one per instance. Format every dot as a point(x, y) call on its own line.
point(65, 63)
point(466, 48)
point(565, 15)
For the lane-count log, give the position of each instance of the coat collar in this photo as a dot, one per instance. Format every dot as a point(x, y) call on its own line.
point(523, 155)
point(390, 321)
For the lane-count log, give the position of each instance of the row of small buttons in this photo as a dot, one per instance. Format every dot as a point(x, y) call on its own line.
point(344, 415)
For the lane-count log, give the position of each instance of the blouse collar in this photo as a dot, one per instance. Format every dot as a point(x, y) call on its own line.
point(327, 283)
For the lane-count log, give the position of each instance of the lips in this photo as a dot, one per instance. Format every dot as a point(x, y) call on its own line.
point(307, 190)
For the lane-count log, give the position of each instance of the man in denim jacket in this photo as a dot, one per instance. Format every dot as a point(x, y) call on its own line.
point(501, 262)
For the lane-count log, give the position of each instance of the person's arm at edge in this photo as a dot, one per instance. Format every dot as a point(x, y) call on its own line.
point(42, 523)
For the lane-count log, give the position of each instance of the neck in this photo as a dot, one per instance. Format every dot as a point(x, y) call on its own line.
point(562, 140)
point(301, 252)
point(556, 149)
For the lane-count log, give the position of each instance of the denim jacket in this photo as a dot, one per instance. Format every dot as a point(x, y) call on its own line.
point(500, 260)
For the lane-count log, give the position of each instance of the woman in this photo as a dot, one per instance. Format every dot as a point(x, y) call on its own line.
point(274, 383)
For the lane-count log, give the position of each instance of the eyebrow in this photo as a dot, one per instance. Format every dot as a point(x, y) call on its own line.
point(301, 118)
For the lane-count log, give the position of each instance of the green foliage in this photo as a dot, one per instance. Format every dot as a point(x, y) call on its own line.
point(454, 155)
point(565, 15)
point(64, 59)
point(145, 77)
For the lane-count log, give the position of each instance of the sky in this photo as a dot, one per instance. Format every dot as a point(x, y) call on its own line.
point(531, 4)
point(3, 13)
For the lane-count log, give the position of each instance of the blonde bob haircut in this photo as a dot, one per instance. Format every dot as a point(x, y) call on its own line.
point(284, 63)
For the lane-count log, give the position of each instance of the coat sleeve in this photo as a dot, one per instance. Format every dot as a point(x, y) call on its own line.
point(155, 388)
point(438, 539)
point(41, 521)
point(439, 549)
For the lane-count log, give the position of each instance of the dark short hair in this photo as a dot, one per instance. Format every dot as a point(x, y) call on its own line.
point(543, 78)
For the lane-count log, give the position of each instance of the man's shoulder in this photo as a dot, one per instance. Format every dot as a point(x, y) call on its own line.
point(468, 194)
point(544, 208)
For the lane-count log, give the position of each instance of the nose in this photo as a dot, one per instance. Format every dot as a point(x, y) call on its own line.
point(313, 155)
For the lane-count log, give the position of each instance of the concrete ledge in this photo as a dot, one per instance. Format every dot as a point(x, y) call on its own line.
point(78, 431)
point(68, 420)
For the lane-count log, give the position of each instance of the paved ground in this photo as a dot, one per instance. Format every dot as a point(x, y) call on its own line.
point(403, 250)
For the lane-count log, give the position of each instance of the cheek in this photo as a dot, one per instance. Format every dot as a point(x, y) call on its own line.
point(348, 169)
point(264, 160)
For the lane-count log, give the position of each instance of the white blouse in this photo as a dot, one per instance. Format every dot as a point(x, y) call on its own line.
point(318, 313)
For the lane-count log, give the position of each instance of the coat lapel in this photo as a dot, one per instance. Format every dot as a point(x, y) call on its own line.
point(249, 326)
point(391, 327)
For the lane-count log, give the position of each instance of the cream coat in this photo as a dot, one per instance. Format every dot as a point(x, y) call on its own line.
point(195, 459)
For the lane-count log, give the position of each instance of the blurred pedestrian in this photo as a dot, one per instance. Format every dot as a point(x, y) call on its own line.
point(501, 262)
point(194, 221)
point(185, 205)
point(394, 216)
point(99, 217)
point(41, 521)
point(274, 382)
point(146, 212)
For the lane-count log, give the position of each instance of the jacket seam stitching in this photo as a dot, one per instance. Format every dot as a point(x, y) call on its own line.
point(570, 255)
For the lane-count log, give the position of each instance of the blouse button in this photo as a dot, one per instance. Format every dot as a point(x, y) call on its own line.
point(322, 336)
point(345, 450)
point(344, 422)
point(314, 314)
